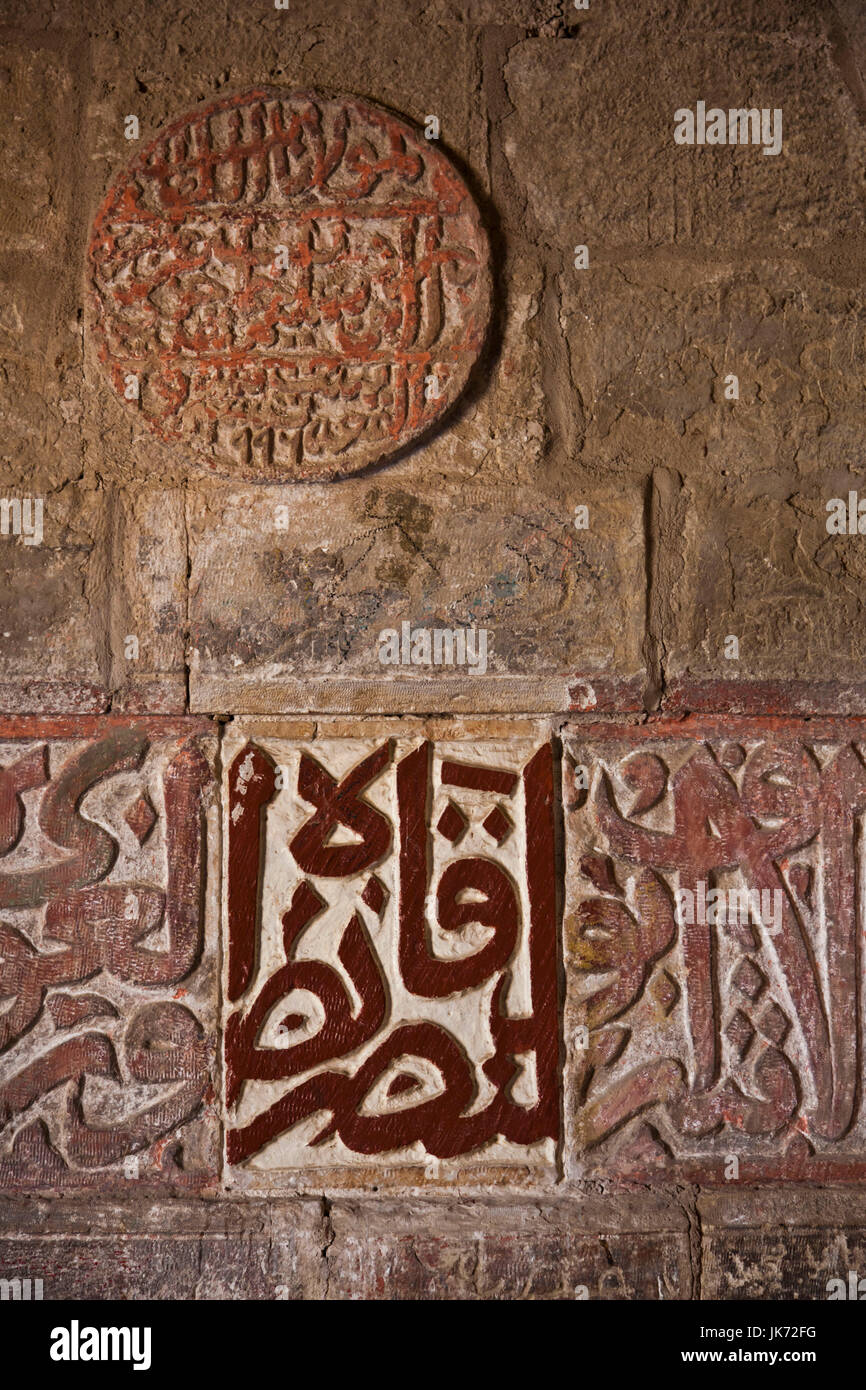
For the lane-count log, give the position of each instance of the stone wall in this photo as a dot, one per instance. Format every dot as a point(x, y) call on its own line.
point(533, 973)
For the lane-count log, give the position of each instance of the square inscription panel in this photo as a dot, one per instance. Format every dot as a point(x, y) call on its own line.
point(713, 942)
point(108, 977)
point(391, 972)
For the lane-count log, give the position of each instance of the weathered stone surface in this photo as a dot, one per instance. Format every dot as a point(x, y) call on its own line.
point(848, 36)
point(107, 968)
point(793, 19)
point(648, 190)
point(369, 1036)
point(293, 592)
point(654, 343)
point(790, 1242)
point(181, 1250)
point(753, 560)
point(785, 1242)
point(38, 98)
point(137, 1268)
point(40, 335)
point(783, 1205)
point(290, 286)
point(175, 61)
point(92, 600)
point(712, 1036)
point(509, 1251)
point(773, 1263)
point(148, 612)
point(52, 654)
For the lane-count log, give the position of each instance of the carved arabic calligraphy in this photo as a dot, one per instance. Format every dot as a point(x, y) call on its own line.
point(83, 901)
point(387, 994)
point(714, 935)
point(277, 279)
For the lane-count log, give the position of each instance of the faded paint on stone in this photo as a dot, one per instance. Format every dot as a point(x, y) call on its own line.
point(511, 1250)
point(293, 589)
point(107, 967)
point(295, 286)
point(710, 1034)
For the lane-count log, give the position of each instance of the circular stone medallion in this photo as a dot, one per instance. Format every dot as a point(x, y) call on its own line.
point(288, 285)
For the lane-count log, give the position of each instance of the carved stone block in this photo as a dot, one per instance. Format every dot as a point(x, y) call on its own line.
point(291, 286)
point(391, 978)
point(107, 972)
point(713, 941)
